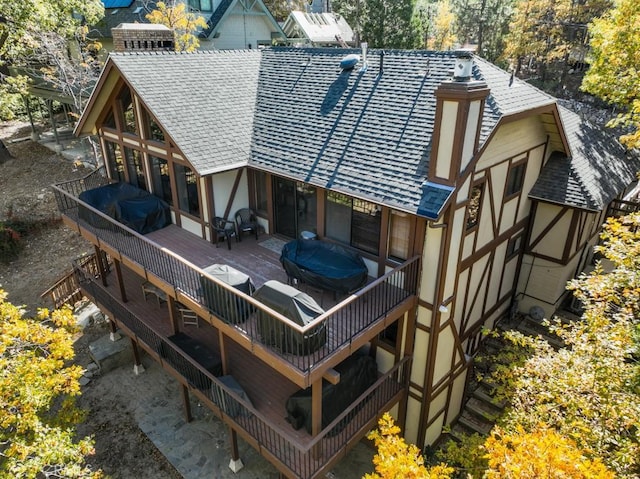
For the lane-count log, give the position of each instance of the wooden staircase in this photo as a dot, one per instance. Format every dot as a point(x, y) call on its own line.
point(482, 409)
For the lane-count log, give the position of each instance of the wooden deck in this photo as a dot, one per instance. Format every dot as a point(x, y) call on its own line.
point(267, 388)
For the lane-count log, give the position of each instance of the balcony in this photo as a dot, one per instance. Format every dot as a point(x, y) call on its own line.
point(172, 260)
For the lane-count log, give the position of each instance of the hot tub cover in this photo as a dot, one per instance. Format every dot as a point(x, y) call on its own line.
point(326, 265)
point(300, 308)
point(136, 208)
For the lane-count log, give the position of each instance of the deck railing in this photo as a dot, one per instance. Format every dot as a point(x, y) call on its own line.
point(301, 346)
point(302, 461)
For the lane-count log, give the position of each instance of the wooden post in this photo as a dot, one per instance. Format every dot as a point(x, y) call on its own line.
point(173, 316)
point(316, 415)
point(101, 268)
point(187, 404)
point(235, 464)
point(123, 291)
point(138, 368)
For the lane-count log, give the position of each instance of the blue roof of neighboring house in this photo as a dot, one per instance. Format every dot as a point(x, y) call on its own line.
point(116, 3)
point(294, 112)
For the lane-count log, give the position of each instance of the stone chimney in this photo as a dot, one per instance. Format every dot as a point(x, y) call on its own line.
point(135, 37)
point(459, 109)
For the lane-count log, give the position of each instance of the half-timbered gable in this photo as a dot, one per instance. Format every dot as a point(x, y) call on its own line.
point(464, 195)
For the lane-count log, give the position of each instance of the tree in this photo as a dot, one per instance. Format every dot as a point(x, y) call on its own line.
point(381, 23)
point(540, 454)
point(24, 25)
point(443, 37)
point(544, 34)
point(280, 9)
point(38, 388)
point(184, 24)
point(395, 459)
point(483, 23)
point(614, 64)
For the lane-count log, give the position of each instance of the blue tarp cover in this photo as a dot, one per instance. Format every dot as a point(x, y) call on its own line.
point(131, 206)
point(325, 265)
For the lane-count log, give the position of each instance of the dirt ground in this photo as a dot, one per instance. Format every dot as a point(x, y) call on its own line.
point(122, 449)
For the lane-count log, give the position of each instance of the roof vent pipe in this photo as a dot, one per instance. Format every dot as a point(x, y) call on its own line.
point(464, 65)
point(381, 66)
point(364, 46)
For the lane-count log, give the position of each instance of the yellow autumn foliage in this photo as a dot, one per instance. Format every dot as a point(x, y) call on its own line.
point(38, 387)
point(396, 459)
point(185, 25)
point(539, 454)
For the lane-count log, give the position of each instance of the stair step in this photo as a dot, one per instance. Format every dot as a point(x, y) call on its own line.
point(482, 410)
point(458, 431)
point(484, 395)
point(553, 341)
point(475, 424)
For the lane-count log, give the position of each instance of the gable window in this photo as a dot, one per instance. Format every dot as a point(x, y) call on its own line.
point(110, 121)
point(353, 221)
point(514, 246)
point(155, 132)
point(160, 179)
point(115, 162)
point(475, 202)
point(515, 179)
point(187, 189)
point(399, 233)
point(201, 5)
point(135, 168)
point(128, 116)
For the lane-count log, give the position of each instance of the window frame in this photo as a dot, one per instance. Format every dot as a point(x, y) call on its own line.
point(472, 226)
point(361, 210)
point(514, 184)
point(514, 246)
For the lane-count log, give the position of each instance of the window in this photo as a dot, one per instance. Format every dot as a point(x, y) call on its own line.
point(135, 168)
point(126, 103)
point(399, 232)
point(160, 178)
point(514, 246)
point(155, 132)
point(353, 221)
point(110, 121)
point(187, 189)
point(115, 161)
point(201, 5)
point(516, 178)
point(261, 191)
point(475, 202)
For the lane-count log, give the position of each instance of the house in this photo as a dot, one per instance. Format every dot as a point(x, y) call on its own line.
point(318, 29)
point(231, 24)
point(466, 192)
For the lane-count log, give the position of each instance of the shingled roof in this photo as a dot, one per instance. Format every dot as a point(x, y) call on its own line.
point(587, 178)
point(366, 132)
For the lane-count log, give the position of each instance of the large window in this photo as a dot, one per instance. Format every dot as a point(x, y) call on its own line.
point(353, 221)
point(516, 178)
point(115, 162)
point(187, 189)
point(399, 235)
point(129, 118)
point(155, 132)
point(160, 178)
point(135, 168)
point(261, 191)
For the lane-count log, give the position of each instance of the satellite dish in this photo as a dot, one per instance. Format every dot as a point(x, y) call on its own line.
point(536, 313)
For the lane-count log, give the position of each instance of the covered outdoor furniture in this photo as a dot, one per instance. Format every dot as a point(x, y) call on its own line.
point(224, 304)
point(229, 405)
point(193, 348)
point(324, 265)
point(357, 373)
point(138, 209)
point(300, 308)
point(224, 230)
point(246, 221)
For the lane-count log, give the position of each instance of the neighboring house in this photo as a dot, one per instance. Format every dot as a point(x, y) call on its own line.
point(466, 197)
point(231, 24)
point(318, 30)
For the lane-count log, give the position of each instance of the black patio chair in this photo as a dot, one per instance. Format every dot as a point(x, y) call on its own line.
point(246, 221)
point(224, 229)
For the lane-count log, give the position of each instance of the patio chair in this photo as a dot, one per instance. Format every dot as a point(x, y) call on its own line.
point(224, 230)
point(246, 221)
